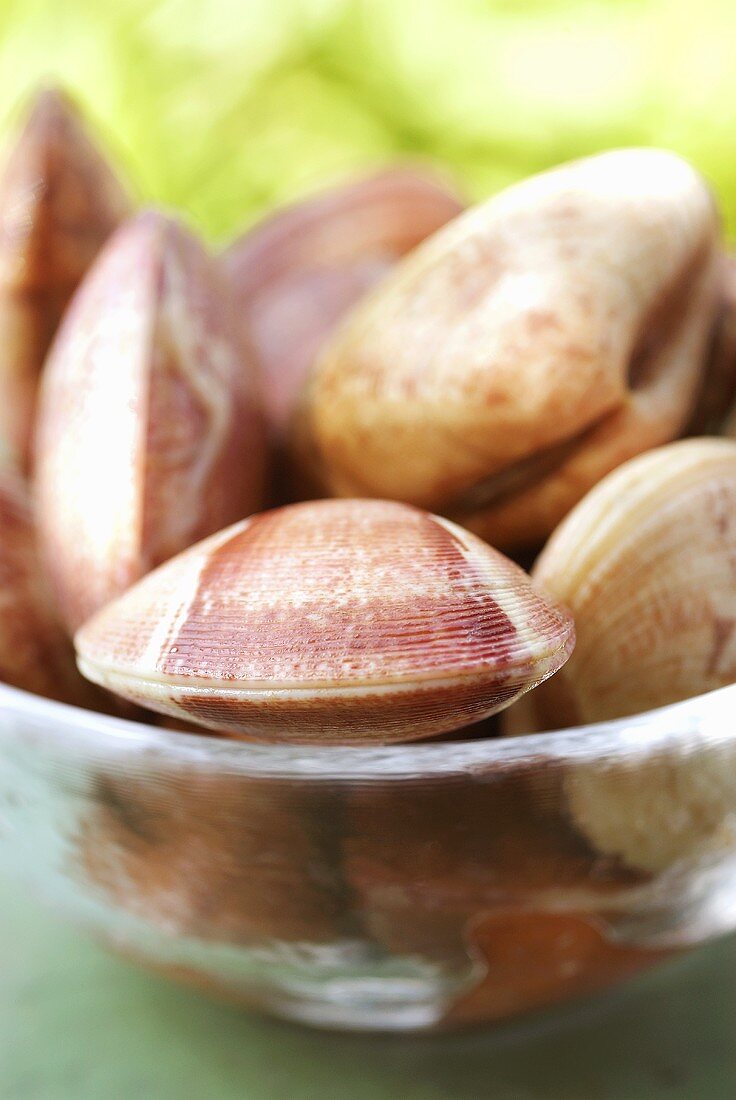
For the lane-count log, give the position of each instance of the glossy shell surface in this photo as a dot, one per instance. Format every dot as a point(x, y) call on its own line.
point(647, 565)
point(332, 620)
point(150, 429)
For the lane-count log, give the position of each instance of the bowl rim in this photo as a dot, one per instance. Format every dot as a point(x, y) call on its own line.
point(66, 730)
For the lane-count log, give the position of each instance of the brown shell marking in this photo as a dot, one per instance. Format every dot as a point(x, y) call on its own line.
point(150, 431)
point(526, 349)
point(59, 201)
point(343, 620)
point(297, 273)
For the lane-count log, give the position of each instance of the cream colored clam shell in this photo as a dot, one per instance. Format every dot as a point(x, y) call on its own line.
point(647, 565)
point(526, 349)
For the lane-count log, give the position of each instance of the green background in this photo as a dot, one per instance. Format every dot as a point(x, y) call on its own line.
point(76, 1024)
point(224, 107)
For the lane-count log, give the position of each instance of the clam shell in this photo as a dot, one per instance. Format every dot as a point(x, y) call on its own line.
point(35, 653)
point(718, 387)
point(296, 274)
point(345, 621)
point(526, 349)
point(59, 201)
point(150, 432)
point(647, 564)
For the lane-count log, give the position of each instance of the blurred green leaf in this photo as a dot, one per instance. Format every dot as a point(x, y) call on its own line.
point(223, 107)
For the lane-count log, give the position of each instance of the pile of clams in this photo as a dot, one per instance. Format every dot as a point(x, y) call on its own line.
point(363, 478)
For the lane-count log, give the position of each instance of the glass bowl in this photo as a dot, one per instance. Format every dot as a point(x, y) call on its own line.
point(410, 887)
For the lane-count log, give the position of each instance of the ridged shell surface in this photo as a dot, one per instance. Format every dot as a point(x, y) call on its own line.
point(345, 621)
point(526, 349)
point(59, 201)
point(647, 564)
point(297, 273)
point(150, 430)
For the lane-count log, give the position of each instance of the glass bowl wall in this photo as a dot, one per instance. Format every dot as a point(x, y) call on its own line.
point(407, 887)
